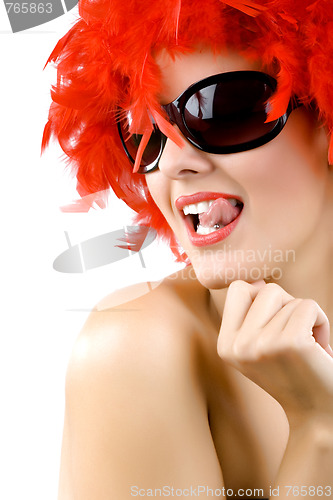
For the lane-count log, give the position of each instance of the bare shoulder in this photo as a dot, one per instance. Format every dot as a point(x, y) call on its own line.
point(181, 288)
point(153, 329)
point(163, 314)
point(134, 406)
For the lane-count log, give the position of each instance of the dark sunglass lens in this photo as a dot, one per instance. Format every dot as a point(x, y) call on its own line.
point(152, 151)
point(229, 113)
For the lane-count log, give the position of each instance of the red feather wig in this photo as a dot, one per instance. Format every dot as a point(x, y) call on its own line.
point(106, 63)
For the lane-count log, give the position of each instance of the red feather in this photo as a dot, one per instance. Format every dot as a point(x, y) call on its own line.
point(280, 100)
point(106, 63)
point(248, 7)
point(144, 141)
point(167, 129)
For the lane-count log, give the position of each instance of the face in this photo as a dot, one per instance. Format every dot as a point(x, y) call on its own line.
point(278, 188)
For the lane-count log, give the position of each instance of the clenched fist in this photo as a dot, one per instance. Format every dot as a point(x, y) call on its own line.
point(282, 344)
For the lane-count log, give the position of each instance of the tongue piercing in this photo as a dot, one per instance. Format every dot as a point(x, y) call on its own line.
point(217, 226)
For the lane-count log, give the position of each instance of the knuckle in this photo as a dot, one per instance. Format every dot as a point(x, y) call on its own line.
point(270, 346)
point(274, 287)
point(223, 349)
point(231, 353)
point(265, 347)
point(242, 350)
point(238, 285)
point(295, 301)
point(271, 289)
point(309, 304)
point(225, 353)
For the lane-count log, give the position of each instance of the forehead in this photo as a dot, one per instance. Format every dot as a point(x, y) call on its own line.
point(181, 71)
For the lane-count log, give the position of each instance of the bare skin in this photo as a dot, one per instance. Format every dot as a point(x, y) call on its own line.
point(171, 411)
point(216, 381)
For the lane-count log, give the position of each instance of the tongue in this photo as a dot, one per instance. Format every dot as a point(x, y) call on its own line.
point(221, 212)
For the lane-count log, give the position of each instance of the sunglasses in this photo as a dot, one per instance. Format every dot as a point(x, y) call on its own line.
point(221, 114)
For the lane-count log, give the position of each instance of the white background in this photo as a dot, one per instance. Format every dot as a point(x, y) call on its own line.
point(42, 310)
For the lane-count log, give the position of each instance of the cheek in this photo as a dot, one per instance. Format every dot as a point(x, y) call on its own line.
point(159, 189)
point(289, 178)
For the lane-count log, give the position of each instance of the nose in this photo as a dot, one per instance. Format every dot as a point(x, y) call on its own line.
point(177, 163)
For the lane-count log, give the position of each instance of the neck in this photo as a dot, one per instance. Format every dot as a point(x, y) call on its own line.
point(311, 275)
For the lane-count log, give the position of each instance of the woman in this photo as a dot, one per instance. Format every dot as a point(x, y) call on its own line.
point(218, 383)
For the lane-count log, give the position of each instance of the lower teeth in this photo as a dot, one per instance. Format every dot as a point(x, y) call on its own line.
point(207, 230)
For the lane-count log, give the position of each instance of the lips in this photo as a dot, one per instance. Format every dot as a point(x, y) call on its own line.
point(209, 217)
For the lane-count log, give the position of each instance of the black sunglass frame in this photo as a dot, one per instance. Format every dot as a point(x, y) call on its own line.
point(175, 112)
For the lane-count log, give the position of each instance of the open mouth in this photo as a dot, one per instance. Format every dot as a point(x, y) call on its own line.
point(209, 216)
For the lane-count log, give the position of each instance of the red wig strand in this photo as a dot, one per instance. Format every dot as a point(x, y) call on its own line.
point(106, 63)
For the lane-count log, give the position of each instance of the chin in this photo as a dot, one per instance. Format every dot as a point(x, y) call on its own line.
point(215, 276)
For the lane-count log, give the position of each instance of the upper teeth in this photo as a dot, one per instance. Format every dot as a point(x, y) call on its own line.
point(203, 206)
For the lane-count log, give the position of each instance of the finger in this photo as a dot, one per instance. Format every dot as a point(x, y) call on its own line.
point(261, 332)
point(309, 320)
point(329, 350)
point(270, 339)
point(239, 299)
point(281, 318)
point(322, 332)
point(268, 302)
